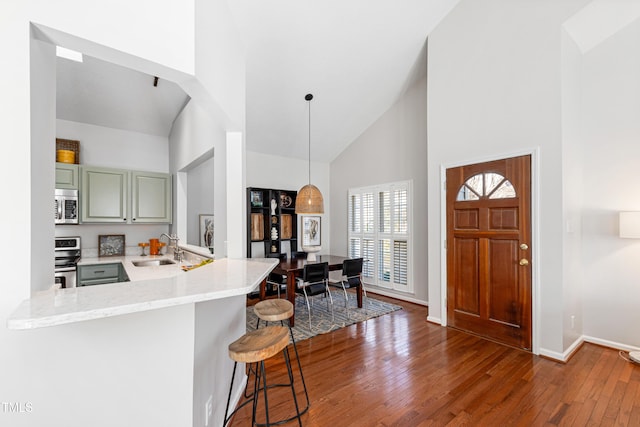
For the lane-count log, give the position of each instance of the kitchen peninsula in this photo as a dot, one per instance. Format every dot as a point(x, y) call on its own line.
point(150, 288)
point(160, 340)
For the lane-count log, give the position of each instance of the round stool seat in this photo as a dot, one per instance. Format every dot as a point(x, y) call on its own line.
point(272, 310)
point(259, 345)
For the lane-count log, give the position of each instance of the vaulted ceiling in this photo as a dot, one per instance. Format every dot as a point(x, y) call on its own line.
point(356, 57)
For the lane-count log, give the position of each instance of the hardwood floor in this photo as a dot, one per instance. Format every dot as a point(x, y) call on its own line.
point(400, 370)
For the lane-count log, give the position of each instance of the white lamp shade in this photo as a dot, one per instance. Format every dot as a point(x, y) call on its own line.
point(630, 225)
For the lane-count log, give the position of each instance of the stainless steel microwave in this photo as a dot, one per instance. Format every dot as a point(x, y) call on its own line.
point(66, 206)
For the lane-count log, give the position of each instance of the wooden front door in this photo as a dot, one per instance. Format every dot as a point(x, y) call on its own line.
point(488, 250)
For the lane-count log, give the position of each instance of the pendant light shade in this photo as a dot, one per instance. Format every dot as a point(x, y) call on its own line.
point(309, 199)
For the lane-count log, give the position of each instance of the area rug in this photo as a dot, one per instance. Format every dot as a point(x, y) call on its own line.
point(321, 322)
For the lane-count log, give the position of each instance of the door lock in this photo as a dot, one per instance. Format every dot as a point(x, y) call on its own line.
point(524, 261)
point(524, 246)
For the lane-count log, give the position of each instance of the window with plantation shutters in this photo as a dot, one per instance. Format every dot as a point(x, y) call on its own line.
point(380, 232)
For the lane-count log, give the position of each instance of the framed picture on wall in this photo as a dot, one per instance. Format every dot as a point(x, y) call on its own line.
point(206, 231)
point(311, 231)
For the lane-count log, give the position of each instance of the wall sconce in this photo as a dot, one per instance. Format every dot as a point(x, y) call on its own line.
point(630, 225)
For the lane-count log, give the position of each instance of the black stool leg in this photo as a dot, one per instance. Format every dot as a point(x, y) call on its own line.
point(226, 410)
point(304, 384)
point(295, 349)
point(262, 375)
point(285, 352)
point(252, 369)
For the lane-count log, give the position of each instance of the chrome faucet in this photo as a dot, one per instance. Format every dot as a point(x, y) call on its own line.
point(173, 240)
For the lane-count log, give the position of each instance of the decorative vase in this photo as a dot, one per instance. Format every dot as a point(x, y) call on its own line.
point(274, 233)
point(154, 246)
point(311, 252)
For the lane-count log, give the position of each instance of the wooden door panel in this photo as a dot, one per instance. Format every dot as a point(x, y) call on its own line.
point(488, 291)
point(503, 281)
point(466, 219)
point(503, 219)
point(467, 296)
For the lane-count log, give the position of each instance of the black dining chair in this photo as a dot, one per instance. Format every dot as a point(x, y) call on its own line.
point(351, 278)
point(274, 280)
point(315, 281)
point(298, 255)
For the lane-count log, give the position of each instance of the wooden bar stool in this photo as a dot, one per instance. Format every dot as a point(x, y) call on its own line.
point(256, 347)
point(279, 310)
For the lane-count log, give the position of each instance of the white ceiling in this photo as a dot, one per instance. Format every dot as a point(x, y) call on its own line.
point(356, 57)
point(104, 94)
point(599, 20)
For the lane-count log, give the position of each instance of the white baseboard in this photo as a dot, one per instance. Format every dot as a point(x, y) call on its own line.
point(563, 357)
point(566, 355)
point(401, 297)
point(611, 344)
point(435, 320)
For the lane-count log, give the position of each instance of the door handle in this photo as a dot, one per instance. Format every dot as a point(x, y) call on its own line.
point(524, 246)
point(524, 261)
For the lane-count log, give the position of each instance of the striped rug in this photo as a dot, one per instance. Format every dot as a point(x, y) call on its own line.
point(321, 322)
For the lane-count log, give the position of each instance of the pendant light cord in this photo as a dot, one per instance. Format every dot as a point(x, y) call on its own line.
point(309, 101)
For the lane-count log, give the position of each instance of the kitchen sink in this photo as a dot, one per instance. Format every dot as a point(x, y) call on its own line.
point(152, 262)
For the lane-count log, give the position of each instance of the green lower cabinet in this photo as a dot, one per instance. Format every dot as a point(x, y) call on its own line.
point(99, 274)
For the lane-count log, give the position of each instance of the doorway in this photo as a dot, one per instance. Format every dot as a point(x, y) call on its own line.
point(488, 208)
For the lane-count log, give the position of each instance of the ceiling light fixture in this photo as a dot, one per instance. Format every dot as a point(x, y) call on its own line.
point(63, 52)
point(309, 199)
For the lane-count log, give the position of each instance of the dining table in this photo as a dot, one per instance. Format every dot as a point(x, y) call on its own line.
point(293, 268)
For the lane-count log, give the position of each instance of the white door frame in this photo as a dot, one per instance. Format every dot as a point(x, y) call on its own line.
point(535, 235)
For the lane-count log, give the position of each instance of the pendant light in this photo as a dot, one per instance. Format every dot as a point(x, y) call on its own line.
point(309, 199)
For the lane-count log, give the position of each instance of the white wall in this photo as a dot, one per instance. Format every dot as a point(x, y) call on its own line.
point(200, 193)
point(393, 149)
point(195, 138)
point(283, 173)
point(42, 167)
point(572, 164)
point(611, 131)
point(220, 59)
point(212, 375)
point(129, 370)
point(117, 148)
point(495, 89)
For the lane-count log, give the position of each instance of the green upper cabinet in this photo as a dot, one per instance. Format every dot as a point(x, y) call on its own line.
point(104, 195)
point(66, 176)
point(122, 196)
point(151, 197)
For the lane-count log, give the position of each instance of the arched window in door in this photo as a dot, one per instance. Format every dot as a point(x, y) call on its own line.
point(488, 185)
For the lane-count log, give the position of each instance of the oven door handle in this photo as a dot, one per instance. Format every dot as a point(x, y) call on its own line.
point(60, 209)
point(64, 269)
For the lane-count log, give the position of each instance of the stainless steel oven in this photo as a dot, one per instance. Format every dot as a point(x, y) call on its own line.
point(67, 255)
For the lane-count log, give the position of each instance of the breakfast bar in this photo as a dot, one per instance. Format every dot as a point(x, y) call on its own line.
point(163, 287)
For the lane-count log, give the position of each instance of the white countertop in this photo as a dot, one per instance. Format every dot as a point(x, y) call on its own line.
point(149, 288)
point(141, 273)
